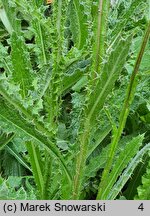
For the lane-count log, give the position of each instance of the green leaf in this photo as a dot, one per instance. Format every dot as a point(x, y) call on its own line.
point(42, 36)
point(70, 80)
point(99, 138)
point(5, 20)
point(124, 113)
point(74, 73)
point(5, 59)
point(11, 189)
point(13, 168)
point(101, 33)
point(111, 71)
point(5, 139)
point(121, 162)
point(144, 189)
point(125, 18)
point(8, 17)
point(78, 23)
point(11, 116)
point(41, 49)
point(35, 161)
point(18, 157)
point(96, 163)
point(127, 173)
point(22, 69)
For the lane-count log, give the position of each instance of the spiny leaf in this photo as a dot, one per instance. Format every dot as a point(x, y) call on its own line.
point(74, 72)
point(127, 173)
point(48, 164)
point(22, 70)
point(122, 161)
point(125, 17)
point(5, 59)
point(10, 115)
point(101, 30)
point(11, 188)
point(124, 113)
point(96, 101)
point(111, 71)
point(52, 98)
point(42, 37)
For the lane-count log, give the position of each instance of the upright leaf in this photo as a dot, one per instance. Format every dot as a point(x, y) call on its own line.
point(127, 173)
point(106, 81)
point(36, 164)
point(96, 101)
point(101, 30)
point(42, 36)
point(121, 162)
point(78, 23)
point(124, 113)
point(8, 16)
point(22, 69)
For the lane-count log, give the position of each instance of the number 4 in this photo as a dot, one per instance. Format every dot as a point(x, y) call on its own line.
point(141, 207)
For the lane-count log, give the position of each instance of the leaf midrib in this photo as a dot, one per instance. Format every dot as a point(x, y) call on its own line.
point(105, 87)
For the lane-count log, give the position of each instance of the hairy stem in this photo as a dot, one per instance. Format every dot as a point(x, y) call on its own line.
point(99, 51)
point(80, 164)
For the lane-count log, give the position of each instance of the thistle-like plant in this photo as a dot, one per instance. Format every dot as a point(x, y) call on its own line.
point(60, 67)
